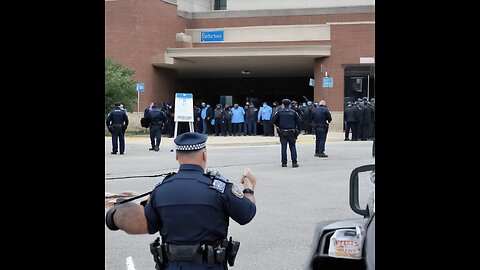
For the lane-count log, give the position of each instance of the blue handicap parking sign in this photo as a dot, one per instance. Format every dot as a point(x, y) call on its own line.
point(327, 82)
point(140, 87)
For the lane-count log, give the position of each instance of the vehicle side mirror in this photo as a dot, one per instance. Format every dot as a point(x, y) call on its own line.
point(354, 190)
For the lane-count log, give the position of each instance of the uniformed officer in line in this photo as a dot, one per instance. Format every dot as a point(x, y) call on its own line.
point(157, 119)
point(288, 123)
point(350, 119)
point(147, 109)
point(191, 210)
point(170, 113)
point(321, 119)
point(117, 123)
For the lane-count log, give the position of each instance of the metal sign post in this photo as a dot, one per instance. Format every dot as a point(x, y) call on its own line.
point(140, 88)
point(327, 83)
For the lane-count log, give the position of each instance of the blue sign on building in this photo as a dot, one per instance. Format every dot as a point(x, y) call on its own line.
point(212, 36)
point(327, 82)
point(140, 87)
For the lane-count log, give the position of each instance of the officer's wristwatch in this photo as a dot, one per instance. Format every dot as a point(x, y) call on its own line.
point(247, 190)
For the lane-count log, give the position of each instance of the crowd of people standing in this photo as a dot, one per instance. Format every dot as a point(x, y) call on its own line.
point(359, 119)
point(247, 120)
point(250, 120)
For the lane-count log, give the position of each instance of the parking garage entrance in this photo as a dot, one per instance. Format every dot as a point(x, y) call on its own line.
point(240, 90)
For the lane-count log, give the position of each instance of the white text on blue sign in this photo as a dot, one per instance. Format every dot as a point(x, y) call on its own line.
point(212, 36)
point(140, 87)
point(327, 82)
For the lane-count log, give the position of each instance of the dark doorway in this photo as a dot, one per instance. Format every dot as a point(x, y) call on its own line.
point(359, 82)
point(241, 90)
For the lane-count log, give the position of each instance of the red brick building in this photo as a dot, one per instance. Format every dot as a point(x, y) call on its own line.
point(225, 56)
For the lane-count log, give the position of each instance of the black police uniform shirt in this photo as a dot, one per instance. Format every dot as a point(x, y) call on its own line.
point(321, 115)
point(156, 115)
point(190, 208)
point(117, 116)
point(286, 119)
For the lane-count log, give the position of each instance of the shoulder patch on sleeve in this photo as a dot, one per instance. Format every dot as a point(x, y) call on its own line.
point(218, 185)
point(237, 191)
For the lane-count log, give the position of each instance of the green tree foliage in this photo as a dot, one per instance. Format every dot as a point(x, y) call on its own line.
point(119, 86)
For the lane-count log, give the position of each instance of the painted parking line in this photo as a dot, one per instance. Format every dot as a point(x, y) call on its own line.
point(130, 265)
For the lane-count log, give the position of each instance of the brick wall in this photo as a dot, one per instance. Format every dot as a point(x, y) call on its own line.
point(349, 43)
point(280, 20)
point(136, 30)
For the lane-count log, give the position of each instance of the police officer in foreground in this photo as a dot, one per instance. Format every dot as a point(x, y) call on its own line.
point(157, 119)
point(288, 125)
point(117, 123)
point(321, 119)
point(191, 210)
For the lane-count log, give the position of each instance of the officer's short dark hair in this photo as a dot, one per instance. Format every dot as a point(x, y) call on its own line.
point(286, 102)
point(117, 104)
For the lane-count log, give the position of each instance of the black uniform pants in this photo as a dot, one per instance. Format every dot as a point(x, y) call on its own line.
point(373, 130)
point(118, 135)
point(250, 127)
point(291, 144)
point(218, 125)
point(155, 135)
point(227, 127)
point(320, 138)
point(170, 126)
point(351, 127)
point(267, 128)
point(198, 125)
point(237, 129)
point(366, 127)
point(359, 131)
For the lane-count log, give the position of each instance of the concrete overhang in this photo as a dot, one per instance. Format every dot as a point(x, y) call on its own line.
point(229, 62)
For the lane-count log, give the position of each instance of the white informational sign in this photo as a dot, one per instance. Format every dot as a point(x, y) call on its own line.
point(367, 60)
point(183, 107)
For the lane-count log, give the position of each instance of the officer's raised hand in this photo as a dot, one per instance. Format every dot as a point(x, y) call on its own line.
point(249, 180)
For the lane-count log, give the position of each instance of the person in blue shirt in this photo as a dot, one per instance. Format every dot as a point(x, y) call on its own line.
point(191, 211)
point(205, 118)
point(264, 115)
point(238, 118)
